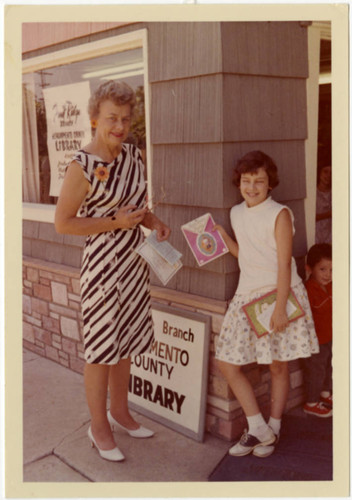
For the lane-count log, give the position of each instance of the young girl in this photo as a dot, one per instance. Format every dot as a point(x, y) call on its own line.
point(263, 246)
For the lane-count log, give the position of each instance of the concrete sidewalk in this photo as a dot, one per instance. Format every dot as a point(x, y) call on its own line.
point(56, 447)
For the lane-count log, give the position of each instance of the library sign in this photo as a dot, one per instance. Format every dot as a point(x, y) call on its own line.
point(68, 127)
point(169, 384)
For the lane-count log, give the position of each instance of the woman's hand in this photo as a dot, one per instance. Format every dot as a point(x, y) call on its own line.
point(73, 192)
point(127, 217)
point(162, 230)
point(152, 222)
point(279, 321)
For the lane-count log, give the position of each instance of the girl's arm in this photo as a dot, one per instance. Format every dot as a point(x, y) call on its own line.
point(73, 192)
point(283, 236)
point(151, 221)
point(231, 244)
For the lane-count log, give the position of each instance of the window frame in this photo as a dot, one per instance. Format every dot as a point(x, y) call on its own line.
point(42, 212)
point(316, 32)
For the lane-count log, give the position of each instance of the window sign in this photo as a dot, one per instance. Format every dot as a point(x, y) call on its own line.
point(92, 63)
point(68, 127)
point(169, 384)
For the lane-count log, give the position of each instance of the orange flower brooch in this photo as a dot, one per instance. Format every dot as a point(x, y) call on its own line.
point(102, 173)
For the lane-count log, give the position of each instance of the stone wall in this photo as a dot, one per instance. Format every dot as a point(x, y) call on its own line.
point(52, 320)
point(52, 326)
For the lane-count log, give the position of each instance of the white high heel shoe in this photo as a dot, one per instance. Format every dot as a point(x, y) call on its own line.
point(114, 455)
point(141, 432)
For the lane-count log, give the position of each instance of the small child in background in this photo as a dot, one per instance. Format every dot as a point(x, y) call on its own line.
point(318, 368)
point(323, 206)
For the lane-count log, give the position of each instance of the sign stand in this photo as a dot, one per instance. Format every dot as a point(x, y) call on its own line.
point(169, 384)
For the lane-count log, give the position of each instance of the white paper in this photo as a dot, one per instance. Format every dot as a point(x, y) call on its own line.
point(164, 249)
point(160, 266)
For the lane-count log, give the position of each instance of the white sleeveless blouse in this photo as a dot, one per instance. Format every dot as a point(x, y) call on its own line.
point(254, 229)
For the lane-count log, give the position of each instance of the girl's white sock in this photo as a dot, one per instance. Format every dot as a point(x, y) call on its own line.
point(258, 427)
point(275, 424)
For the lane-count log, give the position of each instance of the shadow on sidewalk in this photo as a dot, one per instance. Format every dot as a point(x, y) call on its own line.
point(304, 453)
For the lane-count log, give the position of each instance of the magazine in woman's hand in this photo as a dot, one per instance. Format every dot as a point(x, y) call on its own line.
point(259, 311)
point(163, 258)
point(206, 244)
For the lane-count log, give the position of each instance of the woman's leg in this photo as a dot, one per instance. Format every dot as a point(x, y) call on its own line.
point(241, 387)
point(279, 387)
point(119, 377)
point(96, 385)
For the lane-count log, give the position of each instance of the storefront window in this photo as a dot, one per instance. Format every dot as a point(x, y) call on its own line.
point(127, 66)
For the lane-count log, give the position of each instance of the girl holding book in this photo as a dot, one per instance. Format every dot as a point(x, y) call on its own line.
point(263, 232)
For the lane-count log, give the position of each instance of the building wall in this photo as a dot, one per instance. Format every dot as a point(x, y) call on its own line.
point(38, 35)
point(186, 83)
point(218, 90)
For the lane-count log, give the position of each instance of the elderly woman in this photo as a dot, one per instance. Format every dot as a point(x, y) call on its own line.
point(105, 181)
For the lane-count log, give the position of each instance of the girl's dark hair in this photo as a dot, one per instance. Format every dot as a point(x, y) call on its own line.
point(317, 253)
point(251, 162)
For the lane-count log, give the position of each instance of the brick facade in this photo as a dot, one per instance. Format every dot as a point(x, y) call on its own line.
point(52, 327)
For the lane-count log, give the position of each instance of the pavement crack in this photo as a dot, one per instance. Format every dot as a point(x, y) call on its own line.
point(27, 361)
point(66, 462)
point(77, 429)
point(37, 459)
point(75, 469)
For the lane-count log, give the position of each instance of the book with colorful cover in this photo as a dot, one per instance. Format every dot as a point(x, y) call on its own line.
point(259, 311)
point(206, 244)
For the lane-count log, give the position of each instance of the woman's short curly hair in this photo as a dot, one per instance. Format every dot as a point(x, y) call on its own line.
point(251, 162)
point(118, 92)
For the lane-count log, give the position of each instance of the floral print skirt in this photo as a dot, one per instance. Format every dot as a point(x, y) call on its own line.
point(239, 345)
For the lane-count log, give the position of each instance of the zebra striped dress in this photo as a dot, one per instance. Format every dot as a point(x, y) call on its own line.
point(115, 289)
